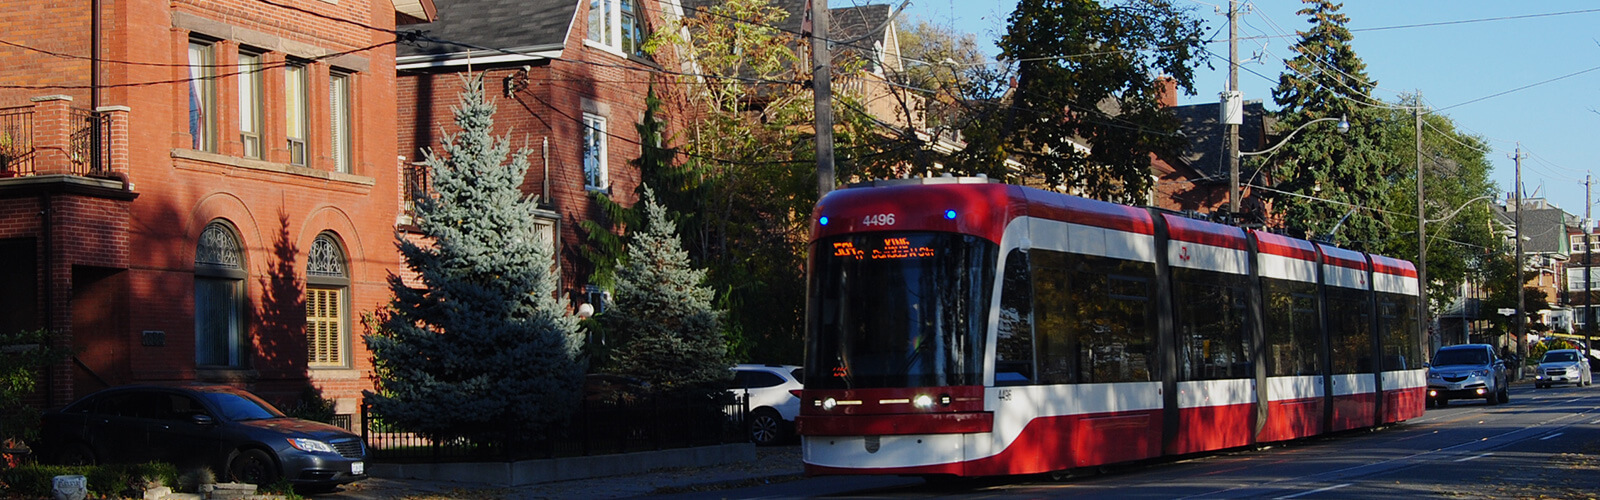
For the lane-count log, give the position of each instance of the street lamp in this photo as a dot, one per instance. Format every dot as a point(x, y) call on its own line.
point(1233, 174)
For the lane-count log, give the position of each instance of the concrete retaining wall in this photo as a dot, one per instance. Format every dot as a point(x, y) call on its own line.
point(561, 469)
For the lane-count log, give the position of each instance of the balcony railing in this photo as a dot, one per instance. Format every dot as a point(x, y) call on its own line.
point(16, 141)
point(86, 143)
point(91, 150)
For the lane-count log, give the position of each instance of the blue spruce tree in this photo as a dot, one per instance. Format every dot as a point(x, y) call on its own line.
point(483, 350)
point(664, 307)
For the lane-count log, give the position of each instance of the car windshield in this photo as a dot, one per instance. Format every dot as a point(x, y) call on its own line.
point(1461, 357)
point(1557, 357)
point(238, 407)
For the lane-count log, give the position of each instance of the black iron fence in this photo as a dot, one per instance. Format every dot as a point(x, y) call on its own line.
point(598, 428)
point(16, 141)
point(91, 151)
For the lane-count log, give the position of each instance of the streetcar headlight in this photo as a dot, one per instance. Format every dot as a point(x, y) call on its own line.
point(923, 401)
point(823, 220)
point(950, 214)
point(828, 404)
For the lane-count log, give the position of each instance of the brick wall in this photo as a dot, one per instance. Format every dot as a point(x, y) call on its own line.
point(550, 107)
point(143, 250)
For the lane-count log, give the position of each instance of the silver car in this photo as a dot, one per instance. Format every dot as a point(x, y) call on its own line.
point(1563, 366)
point(1467, 371)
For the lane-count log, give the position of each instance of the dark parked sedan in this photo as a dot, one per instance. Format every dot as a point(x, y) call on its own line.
point(231, 431)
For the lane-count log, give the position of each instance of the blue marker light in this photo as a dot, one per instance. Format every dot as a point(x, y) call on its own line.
point(823, 220)
point(950, 214)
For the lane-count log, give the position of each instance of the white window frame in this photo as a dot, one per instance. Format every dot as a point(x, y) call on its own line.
point(250, 106)
point(608, 34)
point(295, 111)
point(339, 115)
point(596, 171)
point(202, 94)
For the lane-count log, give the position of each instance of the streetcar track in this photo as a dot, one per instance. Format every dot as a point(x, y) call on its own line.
point(1490, 443)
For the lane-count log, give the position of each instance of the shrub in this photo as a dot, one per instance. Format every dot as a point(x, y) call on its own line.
point(312, 406)
point(22, 355)
point(117, 480)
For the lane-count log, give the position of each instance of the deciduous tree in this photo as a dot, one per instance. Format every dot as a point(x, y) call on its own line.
point(1088, 73)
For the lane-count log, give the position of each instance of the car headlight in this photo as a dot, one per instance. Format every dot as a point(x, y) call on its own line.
point(1481, 373)
point(311, 445)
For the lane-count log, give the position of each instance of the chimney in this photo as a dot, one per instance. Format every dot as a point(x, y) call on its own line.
point(1167, 91)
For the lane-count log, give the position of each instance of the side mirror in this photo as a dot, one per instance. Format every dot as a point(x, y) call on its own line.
point(1427, 365)
point(202, 419)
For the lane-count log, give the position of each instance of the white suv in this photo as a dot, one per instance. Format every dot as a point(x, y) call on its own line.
point(773, 402)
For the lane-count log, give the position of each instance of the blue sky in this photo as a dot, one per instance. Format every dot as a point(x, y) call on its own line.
point(1456, 65)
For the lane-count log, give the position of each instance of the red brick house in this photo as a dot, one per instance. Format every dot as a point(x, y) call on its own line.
point(570, 79)
point(1196, 179)
point(208, 193)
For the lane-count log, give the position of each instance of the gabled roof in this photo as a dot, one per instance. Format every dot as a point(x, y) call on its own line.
point(1543, 226)
point(524, 26)
point(1202, 125)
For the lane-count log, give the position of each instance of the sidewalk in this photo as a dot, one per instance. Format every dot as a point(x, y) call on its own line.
point(773, 465)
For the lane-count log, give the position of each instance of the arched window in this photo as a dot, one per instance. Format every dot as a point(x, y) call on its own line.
point(219, 298)
point(327, 298)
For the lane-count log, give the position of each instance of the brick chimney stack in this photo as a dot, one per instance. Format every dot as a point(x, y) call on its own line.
point(1167, 91)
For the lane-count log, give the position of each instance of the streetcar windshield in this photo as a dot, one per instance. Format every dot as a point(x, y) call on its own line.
point(890, 310)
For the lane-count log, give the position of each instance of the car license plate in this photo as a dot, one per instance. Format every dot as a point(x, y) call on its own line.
point(358, 468)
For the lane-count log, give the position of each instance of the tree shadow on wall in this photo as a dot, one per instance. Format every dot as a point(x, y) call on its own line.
point(280, 344)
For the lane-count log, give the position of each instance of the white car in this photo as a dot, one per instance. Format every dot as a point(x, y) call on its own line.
point(770, 389)
point(1563, 366)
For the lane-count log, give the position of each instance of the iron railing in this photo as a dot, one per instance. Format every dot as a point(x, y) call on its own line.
point(89, 148)
point(597, 428)
point(16, 141)
point(91, 151)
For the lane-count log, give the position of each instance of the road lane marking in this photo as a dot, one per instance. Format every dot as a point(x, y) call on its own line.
point(1552, 436)
point(1313, 492)
point(1473, 457)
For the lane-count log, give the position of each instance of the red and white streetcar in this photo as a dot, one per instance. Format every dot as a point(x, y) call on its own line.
point(957, 326)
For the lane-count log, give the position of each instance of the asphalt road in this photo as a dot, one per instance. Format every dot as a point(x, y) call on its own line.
point(1545, 443)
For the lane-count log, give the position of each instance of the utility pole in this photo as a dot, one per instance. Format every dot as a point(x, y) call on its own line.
point(1522, 324)
point(1422, 234)
point(1588, 268)
point(822, 89)
point(1231, 99)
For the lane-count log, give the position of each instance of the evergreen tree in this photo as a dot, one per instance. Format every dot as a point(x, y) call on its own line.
point(663, 306)
point(484, 350)
point(1329, 173)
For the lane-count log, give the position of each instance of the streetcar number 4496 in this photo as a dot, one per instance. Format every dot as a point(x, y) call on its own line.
point(878, 220)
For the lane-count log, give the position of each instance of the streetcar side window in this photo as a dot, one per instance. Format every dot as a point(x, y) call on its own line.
point(1293, 335)
point(1398, 332)
point(1212, 343)
point(1093, 319)
point(1350, 330)
point(1014, 345)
